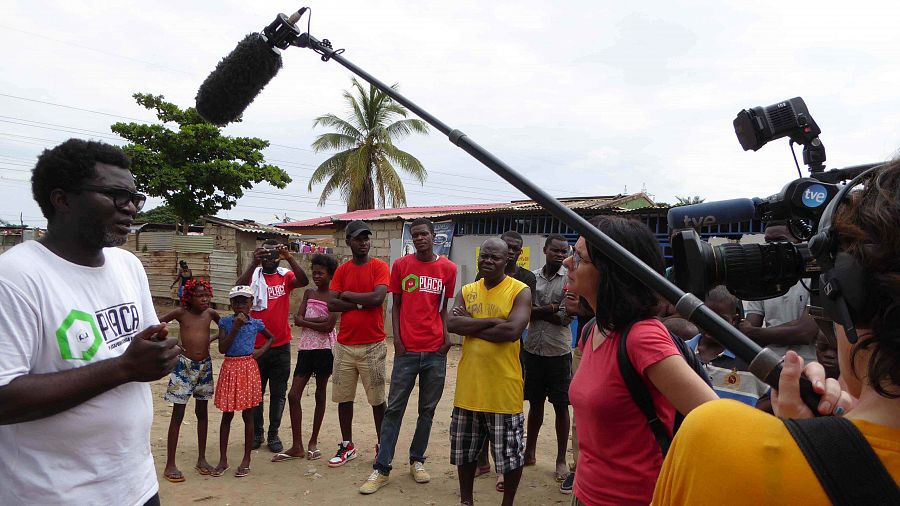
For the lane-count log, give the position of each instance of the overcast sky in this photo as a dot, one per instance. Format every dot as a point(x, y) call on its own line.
point(582, 97)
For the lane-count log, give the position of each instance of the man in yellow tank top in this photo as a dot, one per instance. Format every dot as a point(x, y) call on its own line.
point(491, 313)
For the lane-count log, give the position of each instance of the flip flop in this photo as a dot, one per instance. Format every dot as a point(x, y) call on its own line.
point(174, 478)
point(313, 455)
point(218, 472)
point(240, 472)
point(281, 457)
point(500, 487)
point(203, 471)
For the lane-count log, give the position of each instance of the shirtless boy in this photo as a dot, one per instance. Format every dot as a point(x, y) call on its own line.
point(193, 374)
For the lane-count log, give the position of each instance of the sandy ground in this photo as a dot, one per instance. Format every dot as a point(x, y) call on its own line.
point(305, 482)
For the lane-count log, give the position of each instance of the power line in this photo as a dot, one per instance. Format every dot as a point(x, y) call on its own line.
point(567, 192)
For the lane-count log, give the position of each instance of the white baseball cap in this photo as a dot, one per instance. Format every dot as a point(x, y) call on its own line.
point(240, 291)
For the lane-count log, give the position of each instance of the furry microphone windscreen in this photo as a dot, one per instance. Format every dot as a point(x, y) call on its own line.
point(237, 80)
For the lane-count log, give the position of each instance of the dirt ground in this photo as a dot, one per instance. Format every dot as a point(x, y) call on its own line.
point(305, 482)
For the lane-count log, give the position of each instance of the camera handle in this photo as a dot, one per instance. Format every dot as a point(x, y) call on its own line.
point(765, 365)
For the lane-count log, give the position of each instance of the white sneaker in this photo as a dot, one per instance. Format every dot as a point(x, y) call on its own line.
point(418, 473)
point(374, 482)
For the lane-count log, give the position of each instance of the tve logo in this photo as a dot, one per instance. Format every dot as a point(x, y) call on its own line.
point(814, 195)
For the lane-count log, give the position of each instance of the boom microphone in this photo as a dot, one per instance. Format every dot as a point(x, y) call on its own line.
point(241, 75)
point(714, 213)
point(237, 80)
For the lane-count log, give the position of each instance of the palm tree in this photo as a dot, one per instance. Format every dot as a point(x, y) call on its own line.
point(363, 167)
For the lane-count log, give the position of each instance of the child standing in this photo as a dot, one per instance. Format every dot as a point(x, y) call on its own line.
point(314, 357)
point(239, 388)
point(193, 374)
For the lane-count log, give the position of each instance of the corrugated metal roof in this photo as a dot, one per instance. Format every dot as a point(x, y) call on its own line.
point(410, 213)
point(193, 243)
point(249, 226)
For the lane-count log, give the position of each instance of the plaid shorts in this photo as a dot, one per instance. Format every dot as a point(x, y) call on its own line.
point(469, 429)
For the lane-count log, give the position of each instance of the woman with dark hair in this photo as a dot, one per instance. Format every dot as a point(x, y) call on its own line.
point(619, 458)
point(768, 465)
point(184, 275)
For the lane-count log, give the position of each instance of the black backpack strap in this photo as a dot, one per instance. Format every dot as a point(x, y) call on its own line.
point(586, 330)
point(641, 394)
point(845, 464)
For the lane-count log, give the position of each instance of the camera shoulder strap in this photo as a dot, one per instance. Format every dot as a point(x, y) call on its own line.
point(641, 394)
point(844, 462)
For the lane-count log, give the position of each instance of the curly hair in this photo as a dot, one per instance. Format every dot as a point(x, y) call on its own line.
point(190, 286)
point(621, 298)
point(327, 261)
point(66, 166)
point(866, 227)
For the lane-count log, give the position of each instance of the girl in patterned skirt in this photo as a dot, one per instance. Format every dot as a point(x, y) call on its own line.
point(239, 387)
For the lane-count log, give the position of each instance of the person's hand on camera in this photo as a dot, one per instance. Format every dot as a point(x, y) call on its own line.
point(283, 252)
point(260, 254)
point(786, 399)
point(152, 354)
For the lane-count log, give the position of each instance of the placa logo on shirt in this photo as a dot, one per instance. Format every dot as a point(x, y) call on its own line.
point(275, 291)
point(426, 284)
point(78, 336)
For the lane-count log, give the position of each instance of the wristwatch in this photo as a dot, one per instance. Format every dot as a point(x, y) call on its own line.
point(359, 306)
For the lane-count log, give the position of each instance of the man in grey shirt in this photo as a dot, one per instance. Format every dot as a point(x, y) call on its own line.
point(548, 353)
point(788, 326)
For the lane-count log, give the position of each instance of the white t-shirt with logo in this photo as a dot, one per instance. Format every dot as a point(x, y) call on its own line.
point(56, 316)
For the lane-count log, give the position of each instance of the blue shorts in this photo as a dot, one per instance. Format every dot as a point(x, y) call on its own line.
point(190, 378)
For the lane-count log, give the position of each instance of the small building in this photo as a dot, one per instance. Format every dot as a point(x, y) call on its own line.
point(218, 252)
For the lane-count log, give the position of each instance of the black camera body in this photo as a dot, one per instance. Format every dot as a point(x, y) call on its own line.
point(764, 271)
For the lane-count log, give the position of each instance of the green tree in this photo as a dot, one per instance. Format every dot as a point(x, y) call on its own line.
point(159, 214)
point(195, 169)
point(362, 171)
point(687, 201)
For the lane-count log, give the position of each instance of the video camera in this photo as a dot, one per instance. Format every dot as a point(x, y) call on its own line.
point(761, 271)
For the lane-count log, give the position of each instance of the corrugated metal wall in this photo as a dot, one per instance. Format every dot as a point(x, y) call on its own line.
point(222, 274)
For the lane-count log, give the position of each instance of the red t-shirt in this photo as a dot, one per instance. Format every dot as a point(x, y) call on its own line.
point(275, 317)
point(424, 287)
point(618, 454)
point(361, 326)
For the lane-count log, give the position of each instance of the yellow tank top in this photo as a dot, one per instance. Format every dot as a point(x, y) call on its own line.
point(489, 378)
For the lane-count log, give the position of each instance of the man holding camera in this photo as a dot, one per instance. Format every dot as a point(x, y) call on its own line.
point(787, 324)
point(272, 286)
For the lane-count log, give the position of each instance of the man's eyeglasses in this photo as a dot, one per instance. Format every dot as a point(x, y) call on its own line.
point(120, 196)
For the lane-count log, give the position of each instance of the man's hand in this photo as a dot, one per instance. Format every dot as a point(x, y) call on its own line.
point(786, 399)
point(461, 311)
point(260, 254)
point(746, 327)
point(151, 355)
point(445, 348)
point(283, 252)
point(399, 349)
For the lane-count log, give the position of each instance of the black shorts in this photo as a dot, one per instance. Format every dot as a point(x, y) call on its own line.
point(317, 363)
point(547, 378)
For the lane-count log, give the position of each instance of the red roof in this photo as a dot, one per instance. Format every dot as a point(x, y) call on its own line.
point(392, 213)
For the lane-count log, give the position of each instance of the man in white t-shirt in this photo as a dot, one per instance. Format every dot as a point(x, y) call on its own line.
point(79, 339)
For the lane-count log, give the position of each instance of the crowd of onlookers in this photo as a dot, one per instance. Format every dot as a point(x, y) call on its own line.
point(80, 340)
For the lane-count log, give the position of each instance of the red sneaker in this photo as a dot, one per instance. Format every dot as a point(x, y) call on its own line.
point(344, 454)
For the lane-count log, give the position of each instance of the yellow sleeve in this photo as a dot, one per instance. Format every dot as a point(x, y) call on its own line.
point(728, 451)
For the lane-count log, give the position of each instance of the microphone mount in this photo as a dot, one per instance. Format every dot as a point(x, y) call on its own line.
point(765, 364)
